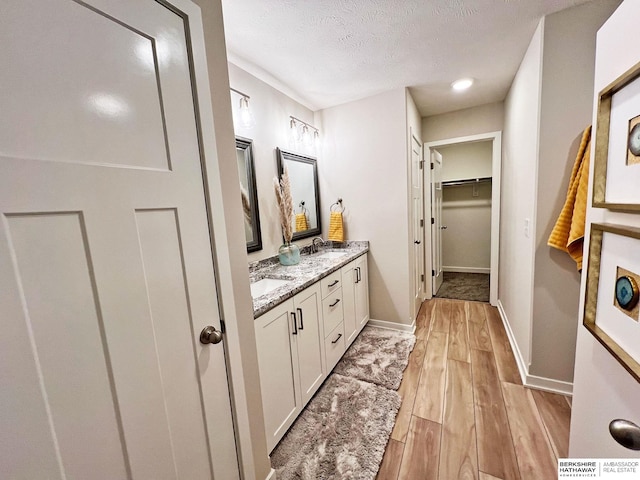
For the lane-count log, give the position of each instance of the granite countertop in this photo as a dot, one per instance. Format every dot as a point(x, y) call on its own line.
point(310, 270)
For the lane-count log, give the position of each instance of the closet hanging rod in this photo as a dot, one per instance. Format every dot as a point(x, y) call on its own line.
point(469, 181)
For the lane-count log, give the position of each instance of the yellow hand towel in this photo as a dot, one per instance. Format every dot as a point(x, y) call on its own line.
point(336, 230)
point(301, 222)
point(568, 233)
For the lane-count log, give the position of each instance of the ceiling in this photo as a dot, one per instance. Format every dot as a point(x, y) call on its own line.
point(327, 52)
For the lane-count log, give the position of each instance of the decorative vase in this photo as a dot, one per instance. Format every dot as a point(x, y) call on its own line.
point(289, 254)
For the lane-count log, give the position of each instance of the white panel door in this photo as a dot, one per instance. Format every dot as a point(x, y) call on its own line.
point(436, 215)
point(418, 224)
point(603, 390)
point(106, 270)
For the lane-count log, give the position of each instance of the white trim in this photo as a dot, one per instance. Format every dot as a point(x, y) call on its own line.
point(549, 385)
point(496, 170)
point(524, 371)
point(466, 269)
point(272, 475)
point(393, 325)
point(528, 380)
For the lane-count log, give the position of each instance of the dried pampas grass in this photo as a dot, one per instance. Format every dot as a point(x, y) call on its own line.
point(285, 204)
point(246, 205)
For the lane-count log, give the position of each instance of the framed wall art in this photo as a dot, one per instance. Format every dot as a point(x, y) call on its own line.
point(617, 144)
point(611, 305)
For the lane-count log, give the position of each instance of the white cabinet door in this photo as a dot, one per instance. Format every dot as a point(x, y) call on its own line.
point(349, 279)
point(279, 372)
point(106, 268)
point(309, 341)
point(290, 348)
point(362, 292)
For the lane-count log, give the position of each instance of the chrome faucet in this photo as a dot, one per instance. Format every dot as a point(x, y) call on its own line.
point(314, 247)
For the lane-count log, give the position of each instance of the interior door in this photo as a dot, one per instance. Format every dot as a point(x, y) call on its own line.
point(418, 222)
point(106, 270)
point(603, 390)
point(436, 223)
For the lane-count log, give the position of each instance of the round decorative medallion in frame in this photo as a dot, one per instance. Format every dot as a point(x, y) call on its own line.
point(634, 140)
point(627, 292)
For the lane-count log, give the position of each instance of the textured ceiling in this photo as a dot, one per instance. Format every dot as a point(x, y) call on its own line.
point(327, 52)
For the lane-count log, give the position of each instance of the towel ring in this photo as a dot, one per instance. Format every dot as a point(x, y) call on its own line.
point(339, 205)
point(303, 209)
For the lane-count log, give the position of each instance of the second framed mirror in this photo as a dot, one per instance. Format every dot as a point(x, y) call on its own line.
point(303, 174)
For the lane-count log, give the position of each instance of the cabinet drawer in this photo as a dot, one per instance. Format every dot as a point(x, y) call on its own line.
point(331, 283)
point(334, 346)
point(332, 311)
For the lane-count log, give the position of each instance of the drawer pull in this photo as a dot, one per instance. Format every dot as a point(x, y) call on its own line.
point(336, 340)
point(335, 303)
point(334, 283)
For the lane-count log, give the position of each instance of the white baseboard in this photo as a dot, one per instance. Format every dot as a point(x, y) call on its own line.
point(272, 475)
point(528, 380)
point(393, 325)
point(466, 270)
point(549, 385)
point(514, 345)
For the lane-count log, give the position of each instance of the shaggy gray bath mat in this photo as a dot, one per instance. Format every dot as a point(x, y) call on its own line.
point(378, 356)
point(342, 433)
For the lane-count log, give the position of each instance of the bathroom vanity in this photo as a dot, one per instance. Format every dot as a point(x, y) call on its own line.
point(306, 316)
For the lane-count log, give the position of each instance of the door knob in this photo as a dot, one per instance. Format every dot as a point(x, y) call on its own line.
point(443, 227)
point(626, 433)
point(209, 334)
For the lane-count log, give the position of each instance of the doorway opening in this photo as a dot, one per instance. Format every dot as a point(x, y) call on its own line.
point(462, 192)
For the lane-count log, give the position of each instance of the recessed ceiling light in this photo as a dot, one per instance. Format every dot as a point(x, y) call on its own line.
point(462, 84)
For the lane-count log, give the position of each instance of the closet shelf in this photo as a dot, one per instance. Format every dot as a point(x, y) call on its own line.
point(468, 181)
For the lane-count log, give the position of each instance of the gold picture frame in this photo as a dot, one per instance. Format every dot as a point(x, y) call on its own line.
point(602, 161)
point(590, 320)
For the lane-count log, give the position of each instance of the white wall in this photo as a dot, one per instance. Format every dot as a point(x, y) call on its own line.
point(463, 123)
point(271, 109)
point(603, 389)
point(466, 243)
point(566, 109)
point(364, 162)
point(466, 160)
point(519, 170)
point(546, 110)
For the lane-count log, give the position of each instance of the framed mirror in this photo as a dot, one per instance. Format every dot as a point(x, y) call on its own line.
point(303, 174)
point(247, 174)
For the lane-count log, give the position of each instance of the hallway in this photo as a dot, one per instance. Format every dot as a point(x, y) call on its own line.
point(465, 413)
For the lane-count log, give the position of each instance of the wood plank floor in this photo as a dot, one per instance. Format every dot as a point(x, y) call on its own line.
point(465, 413)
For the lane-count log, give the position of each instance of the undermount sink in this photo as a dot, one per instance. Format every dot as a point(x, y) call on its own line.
point(266, 285)
point(332, 255)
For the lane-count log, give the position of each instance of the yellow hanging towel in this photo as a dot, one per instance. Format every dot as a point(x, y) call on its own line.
point(568, 233)
point(301, 222)
point(336, 230)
